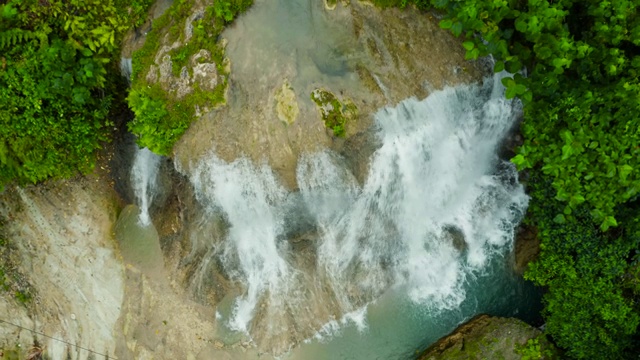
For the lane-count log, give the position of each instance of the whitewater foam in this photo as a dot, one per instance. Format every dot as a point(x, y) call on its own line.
point(437, 169)
point(144, 173)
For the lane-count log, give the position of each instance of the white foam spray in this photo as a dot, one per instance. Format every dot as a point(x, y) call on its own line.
point(436, 174)
point(248, 196)
point(144, 173)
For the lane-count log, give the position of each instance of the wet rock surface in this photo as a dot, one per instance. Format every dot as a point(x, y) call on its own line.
point(526, 249)
point(484, 337)
point(62, 237)
point(372, 57)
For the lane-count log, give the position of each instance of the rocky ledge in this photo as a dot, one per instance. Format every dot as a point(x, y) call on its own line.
point(488, 337)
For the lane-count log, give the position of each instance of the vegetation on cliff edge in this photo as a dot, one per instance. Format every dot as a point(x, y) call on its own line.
point(575, 66)
point(55, 84)
point(162, 115)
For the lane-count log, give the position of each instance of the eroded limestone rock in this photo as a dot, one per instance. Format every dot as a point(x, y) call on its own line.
point(200, 72)
point(383, 57)
point(62, 234)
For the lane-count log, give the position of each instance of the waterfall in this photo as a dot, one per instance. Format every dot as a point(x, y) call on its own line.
point(126, 68)
point(436, 206)
point(437, 170)
point(143, 181)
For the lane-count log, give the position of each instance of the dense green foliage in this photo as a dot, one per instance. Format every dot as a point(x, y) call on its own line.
point(576, 66)
point(53, 77)
point(535, 349)
point(582, 134)
point(590, 309)
point(162, 117)
point(582, 62)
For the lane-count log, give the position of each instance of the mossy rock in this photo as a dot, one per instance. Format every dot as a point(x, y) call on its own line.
point(486, 337)
point(335, 113)
point(332, 4)
point(180, 72)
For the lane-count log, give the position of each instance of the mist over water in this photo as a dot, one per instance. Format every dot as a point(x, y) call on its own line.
point(144, 173)
point(437, 207)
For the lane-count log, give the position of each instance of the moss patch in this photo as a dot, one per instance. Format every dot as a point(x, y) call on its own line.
point(330, 4)
point(180, 72)
point(335, 113)
point(286, 104)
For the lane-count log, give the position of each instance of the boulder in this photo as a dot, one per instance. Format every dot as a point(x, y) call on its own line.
point(485, 337)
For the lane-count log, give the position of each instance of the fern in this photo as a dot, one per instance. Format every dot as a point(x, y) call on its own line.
point(15, 36)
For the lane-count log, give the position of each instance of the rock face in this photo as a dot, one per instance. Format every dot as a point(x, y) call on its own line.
point(62, 237)
point(96, 281)
point(484, 337)
point(370, 56)
point(205, 74)
point(527, 248)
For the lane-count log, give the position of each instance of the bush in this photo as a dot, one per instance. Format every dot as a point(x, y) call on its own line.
point(587, 308)
point(53, 76)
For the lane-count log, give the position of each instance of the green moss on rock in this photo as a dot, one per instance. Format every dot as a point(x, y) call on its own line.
point(335, 113)
point(180, 72)
point(486, 337)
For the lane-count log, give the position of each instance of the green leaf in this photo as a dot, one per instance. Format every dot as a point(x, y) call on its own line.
point(446, 23)
point(624, 172)
point(559, 219)
point(608, 222)
point(456, 28)
point(468, 45)
point(577, 199)
point(567, 151)
point(519, 161)
point(507, 82)
point(513, 66)
point(544, 52)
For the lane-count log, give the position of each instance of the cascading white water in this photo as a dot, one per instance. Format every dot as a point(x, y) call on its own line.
point(435, 175)
point(435, 170)
point(144, 173)
point(126, 68)
point(249, 198)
